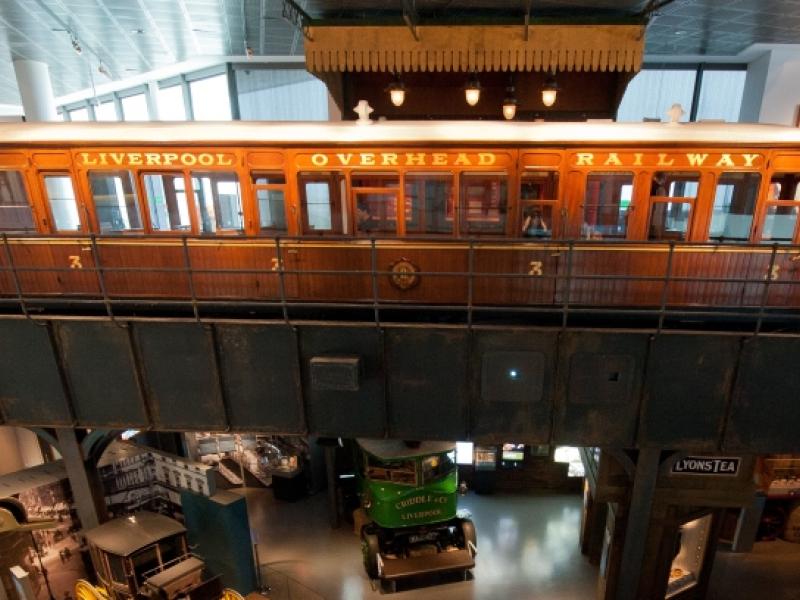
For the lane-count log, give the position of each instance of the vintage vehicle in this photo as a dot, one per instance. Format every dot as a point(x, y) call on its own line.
point(549, 218)
point(146, 556)
point(409, 494)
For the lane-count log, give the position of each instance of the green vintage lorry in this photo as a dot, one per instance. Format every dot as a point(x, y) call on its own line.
point(408, 494)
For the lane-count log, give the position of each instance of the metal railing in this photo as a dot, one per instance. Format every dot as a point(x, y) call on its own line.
point(562, 308)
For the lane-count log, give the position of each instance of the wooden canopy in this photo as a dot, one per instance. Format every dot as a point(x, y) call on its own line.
point(472, 48)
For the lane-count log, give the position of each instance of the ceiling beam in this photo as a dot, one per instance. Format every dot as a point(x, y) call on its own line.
point(297, 17)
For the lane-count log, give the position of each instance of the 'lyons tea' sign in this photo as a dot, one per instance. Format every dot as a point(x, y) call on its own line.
point(707, 465)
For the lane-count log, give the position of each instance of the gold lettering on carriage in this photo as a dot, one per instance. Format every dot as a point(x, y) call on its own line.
point(728, 160)
point(406, 159)
point(156, 159)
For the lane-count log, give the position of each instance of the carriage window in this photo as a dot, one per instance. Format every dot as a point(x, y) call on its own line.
point(669, 218)
point(270, 188)
point(166, 199)
point(429, 203)
point(396, 471)
point(15, 211)
point(375, 196)
point(115, 202)
point(319, 199)
point(61, 197)
point(780, 219)
point(606, 206)
point(537, 216)
point(734, 203)
point(116, 566)
point(218, 200)
point(144, 561)
point(484, 198)
point(437, 466)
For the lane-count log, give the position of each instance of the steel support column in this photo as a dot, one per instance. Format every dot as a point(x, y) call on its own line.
point(638, 523)
point(83, 480)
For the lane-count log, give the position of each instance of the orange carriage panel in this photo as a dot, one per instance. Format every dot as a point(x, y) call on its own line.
point(700, 276)
point(545, 160)
point(51, 160)
point(55, 266)
point(406, 159)
point(13, 160)
point(789, 162)
point(230, 268)
point(266, 160)
point(522, 274)
point(740, 158)
point(143, 268)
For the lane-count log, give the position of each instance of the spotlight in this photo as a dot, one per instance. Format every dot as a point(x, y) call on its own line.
point(101, 68)
point(397, 91)
point(510, 104)
point(249, 51)
point(75, 44)
point(472, 91)
point(550, 90)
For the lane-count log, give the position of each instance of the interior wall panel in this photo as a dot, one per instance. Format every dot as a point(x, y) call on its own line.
point(427, 382)
point(180, 376)
point(512, 385)
point(360, 412)
point(261, 378)
point(99, 363)
point(600, 379)
point(31, 388)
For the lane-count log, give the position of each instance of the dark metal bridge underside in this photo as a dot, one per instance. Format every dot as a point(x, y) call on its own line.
point(693, 390)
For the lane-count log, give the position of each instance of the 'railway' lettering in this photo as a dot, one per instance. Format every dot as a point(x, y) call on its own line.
point(749, 159)
point(696, 160)
point(585, 158)
point(725, 161)
point(613, 159)
point(319, 160)
point(389, 158)
point(662, 160)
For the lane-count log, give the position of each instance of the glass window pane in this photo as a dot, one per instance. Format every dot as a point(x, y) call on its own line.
point(653, 91)
point(117, 567)
point(484, 199)
point(166, 199)
point(539, 185)
point(783, 186)
point(15, 210)
point(79, 114)
point(779, 224)
point(606, 205)
point(134, 108)
point(376, 212)
point(268, 179)
point(61, 197)
point(115, 201)
point(317, 205)
point(721, 95)
point(537, 220)
point(429, 203)
point(669, 220)
point(271, 210)
point(210, 100)
point(674, 184)
point(106, 111)
point(218, 201)
point(734, 202)
point(170, 104)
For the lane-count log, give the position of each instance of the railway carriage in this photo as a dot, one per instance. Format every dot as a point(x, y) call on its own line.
point(395, 214)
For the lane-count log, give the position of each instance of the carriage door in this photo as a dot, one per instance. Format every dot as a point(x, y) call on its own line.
point(375, 197)
point(67, 216)
point(269, 188)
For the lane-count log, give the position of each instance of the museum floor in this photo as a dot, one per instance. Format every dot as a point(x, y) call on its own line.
point(527, 549)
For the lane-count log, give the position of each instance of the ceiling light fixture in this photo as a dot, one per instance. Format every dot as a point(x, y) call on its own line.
point(397, 91)
point(101, 68)
point(472, 91)
point(510, 102)
point(550, 90)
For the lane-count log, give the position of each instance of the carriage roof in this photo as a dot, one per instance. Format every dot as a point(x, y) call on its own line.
point(126, 535)
point(396, 132)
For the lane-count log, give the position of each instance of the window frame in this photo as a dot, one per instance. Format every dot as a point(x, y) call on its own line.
point(195, 202)
point(29, 201)
point(84, 219)
point(462, 221)
point(768, 202)
point(278, 187)
point(652, 200)
point(145, 203)
point(758, 207)
point(338, 206)
point(540, 203)
point(140, 206)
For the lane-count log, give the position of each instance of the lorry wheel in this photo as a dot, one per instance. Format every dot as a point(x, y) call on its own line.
point(470, 540)
point(370, 549)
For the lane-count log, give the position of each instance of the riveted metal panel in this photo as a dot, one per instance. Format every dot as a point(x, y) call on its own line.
point(512, 375)
point(180, 376)
point(600, 379)
point(765, 406)
point(348, 413)
point(261, 378)
point(99, 364)
point(31, 389)
point(427, 383)
point(689, 379)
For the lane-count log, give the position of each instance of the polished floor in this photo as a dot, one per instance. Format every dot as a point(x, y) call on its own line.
point(527, 549)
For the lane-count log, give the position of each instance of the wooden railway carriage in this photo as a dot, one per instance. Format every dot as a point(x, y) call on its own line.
point(397, 213)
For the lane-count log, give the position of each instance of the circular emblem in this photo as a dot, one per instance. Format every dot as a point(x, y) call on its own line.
point(403, 274)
